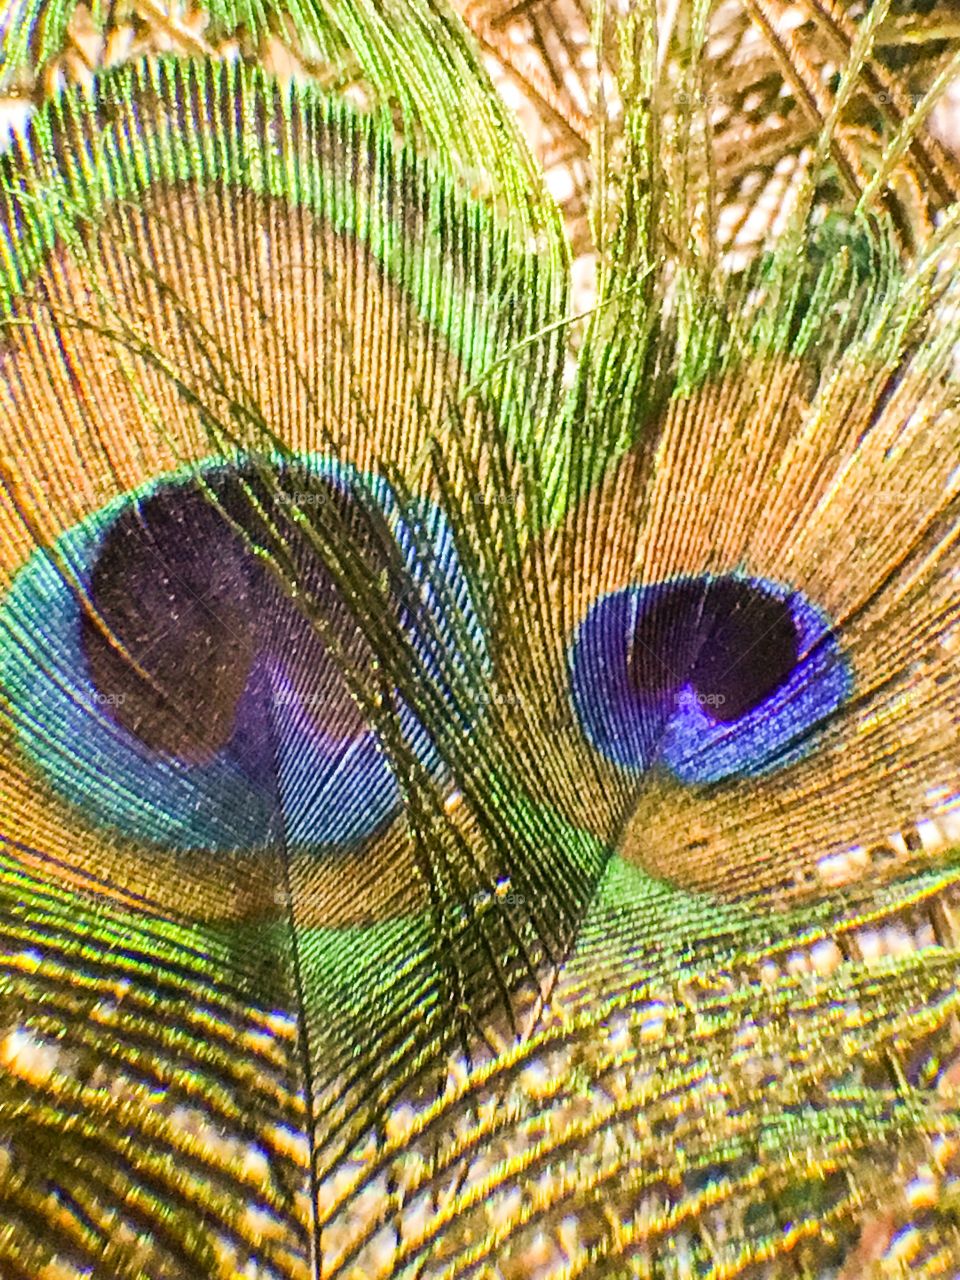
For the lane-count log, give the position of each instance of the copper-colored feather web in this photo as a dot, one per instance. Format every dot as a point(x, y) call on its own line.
point(478, 778)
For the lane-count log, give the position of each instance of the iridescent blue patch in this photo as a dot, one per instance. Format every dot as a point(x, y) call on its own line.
point(710, 677)
point(298, 763)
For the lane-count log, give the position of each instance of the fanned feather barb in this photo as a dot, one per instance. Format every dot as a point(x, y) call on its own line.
point(478, 786)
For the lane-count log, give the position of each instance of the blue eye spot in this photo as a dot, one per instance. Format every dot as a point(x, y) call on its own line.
point(165, 682)
point(709, 677)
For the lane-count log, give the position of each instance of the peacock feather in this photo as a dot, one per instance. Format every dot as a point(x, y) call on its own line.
point(478, 773)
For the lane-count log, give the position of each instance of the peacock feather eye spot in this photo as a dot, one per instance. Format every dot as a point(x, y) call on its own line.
point(707, 676)
point(198, 694)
